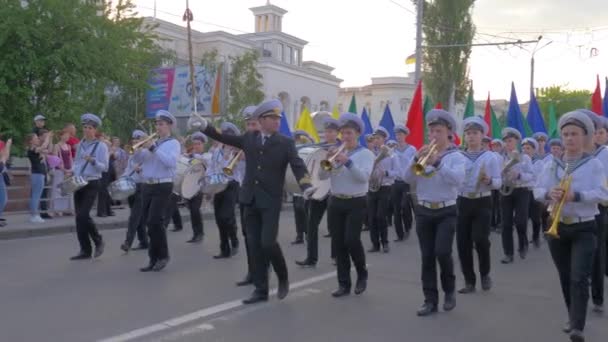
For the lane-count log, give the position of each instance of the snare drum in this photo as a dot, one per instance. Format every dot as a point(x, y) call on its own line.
point(190, 185)
point(183, 164)
point(312, 156)
point(122, 188)
point(214, 183)
point(72, 184)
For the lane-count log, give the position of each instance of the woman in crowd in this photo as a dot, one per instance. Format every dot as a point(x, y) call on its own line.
point(36, 155)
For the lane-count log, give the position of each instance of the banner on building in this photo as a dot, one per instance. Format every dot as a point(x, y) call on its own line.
point(170, 89)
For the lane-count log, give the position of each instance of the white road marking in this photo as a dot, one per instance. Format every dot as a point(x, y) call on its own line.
point(181, 320)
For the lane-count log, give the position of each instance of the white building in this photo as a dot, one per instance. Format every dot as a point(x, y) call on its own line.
point(285, 75)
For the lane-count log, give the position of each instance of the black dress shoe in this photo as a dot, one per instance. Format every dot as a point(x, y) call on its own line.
point(99, 249)
point(283, 289)
point(246, 281)
point(195, 239)
point(256, 298)
point(148, 268)
point(306, 263)
point(81, 256)
point(598, 308)
point(360, 286)
point(160, 265)
point(102, 215)
point(340, 292)
point(111, 213)
point(221, 256)
point(577, 336)
point(373, 250)
point(327, 235)
point(427, 309)
point(234, 251)
point(297, 241)
point(399, 239)
point(508, 259)
point(46, 216)
point(523, 253)
point(124, 247)
point(177, 229)
point(536, 243)
point(406, 235)
point(449, 302)
point(385, 249)
point(468, 288)
point(486, 283)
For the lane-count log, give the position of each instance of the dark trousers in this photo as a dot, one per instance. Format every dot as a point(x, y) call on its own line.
point(224, 204)
point(316, 210)
point(473, 230)
point(515, 204)
point(156, 199)
point(262, 230)
point(196, 217)
point(435, 229)
point(390, 209)
point(244, 231)
point(345, 217)
point(104, 201)
point(136, 219)
point(535, 210)
point(496, 209)
point(599, 258)
point(300, 211)
point(377, 204)
point(85, 227)
point(172, 213)
point(402, 208)
point(572, 254)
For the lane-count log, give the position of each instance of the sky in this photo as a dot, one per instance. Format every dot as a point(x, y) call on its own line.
point(362, 39)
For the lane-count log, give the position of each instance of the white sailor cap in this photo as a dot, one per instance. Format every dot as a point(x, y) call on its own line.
point(165, 116)
point(248, 111)
point(556, 142)
point(331, 123)
point(90, 119)
point(475, 122)
point(578, 118)
point(497, 141)
point(391, 143)
point(299, 134)
point(510, 132)
point(486, 139)
point(198, 136)
point(540, 136)
point(138, 134)
point(401, 128)
point(530, 141)
point(350, 120)
point(229, 128)
point(268, 108)
point(596, 119)
point(382, 131)
point(442, 117)
point(369, 137)
point(39, 117)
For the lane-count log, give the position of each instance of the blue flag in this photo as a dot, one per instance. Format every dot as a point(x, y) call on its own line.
point(368, 127)
point(284, 128)
point(514, 116)
point(535, 118)
point(388, 123)
point(606, 99)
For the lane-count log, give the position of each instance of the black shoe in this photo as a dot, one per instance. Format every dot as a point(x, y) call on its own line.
point(246, 281)
point(360, 286)
point(327, 235)
point(283, 289)
point(385, 249)
point(99, 249)
point(46, 216)
point(598, 308)
point(334, 262)
point(195, 239)
point(98, 215)
point(508, 259)
point(124, 247)
point(256, 298)
point(399, 239)
point(536, 243)
point(221, 256)
point(306, 263)
point(567, 328)
point(148, 268)
point(177, 229)
point(486, 283)
point(340, 292)
point(449, 302)
point(427, 309)
point(111, 213)
point(577, 336)
point(81, 256)
point(140, 247)
point(406, 235)
point(373, 250)
point(234, 251)
point(160, 265)
point(468, 288)
point(297, 241)
point(523, 253)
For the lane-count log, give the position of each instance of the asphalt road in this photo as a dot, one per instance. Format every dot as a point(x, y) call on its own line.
point(45, 297)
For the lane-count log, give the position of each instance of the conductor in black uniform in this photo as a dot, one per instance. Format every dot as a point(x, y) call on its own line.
point(267, 153)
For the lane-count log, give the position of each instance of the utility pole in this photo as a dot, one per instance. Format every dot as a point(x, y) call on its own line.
point(419, 17)
point(534, 51)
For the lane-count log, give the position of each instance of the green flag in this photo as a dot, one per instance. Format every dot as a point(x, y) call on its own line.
point(496, 127)
point(353, 105)
point(426, 107)
point(526, 126)
point(552, 122)
point(469, 110)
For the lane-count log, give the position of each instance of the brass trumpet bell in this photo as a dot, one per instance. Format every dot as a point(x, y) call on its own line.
point(229, 170)
point(328, 164)
point(420, 167)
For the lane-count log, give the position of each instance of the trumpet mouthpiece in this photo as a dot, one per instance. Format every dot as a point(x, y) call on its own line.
point(227, 171)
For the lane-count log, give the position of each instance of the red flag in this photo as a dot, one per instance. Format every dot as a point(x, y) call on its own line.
point(439, 106)
point(487, 117)
point(596, 99)
point(415, 119)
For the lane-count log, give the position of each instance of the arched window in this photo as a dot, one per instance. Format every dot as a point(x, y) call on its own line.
point(324, 105)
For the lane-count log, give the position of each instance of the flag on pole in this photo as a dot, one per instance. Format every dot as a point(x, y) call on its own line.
point(306, 124)
point(469, 110)
point(535, 117)
point(388, 123)
point(368, 129)
point(596, 98)
point(415, 119)
point(487, 117)
point(215, 101)
point(284, 128)
point(606, 99)
point(411, 59)
point(514, 115)
point(353, 105)
point(335, 113)
point(425, 109)
point(552, 133)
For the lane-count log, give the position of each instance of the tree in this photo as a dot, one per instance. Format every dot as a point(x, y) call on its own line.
point(564, 100)
point(447, 22)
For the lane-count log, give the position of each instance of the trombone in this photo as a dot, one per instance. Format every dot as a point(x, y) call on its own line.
point(556, 210)
point(420, 167)
point(229, 170)
point(138, 145)
point(328, 164)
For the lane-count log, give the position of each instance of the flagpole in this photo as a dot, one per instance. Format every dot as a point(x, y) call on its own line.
point(188, 18)
point(419, 17)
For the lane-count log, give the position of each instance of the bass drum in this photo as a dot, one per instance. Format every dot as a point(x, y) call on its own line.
point(182, 167)
point(312, 156)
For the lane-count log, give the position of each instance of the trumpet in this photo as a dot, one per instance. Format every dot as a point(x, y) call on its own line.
point(229, 170)
point(138, 145)
point(328, 164)
point(555, 210)
point(420, 167)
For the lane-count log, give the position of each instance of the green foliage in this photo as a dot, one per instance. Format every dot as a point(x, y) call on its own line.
point(447, 22)
point(565, 100)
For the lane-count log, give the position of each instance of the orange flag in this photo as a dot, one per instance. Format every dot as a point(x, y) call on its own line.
point(215, 101)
